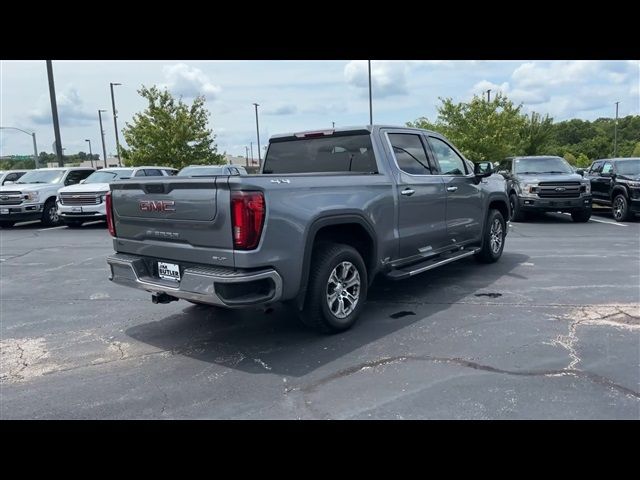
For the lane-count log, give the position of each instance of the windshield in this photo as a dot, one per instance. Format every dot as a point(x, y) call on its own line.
point(335, 153)
point(200, 171)
point(542, 165)
point(42, 176)
point(629, 167)
point(106, 176)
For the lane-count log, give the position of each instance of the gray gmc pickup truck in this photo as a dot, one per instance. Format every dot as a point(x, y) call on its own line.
point(329, 211)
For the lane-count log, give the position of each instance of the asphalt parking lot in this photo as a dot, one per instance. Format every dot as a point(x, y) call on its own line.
point(552, 331)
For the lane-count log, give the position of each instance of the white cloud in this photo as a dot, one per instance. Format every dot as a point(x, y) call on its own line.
point(538, 74)
point(71, 110)
point(387, 77)
point(531, 96)
point(288, 109)
point(189, 81)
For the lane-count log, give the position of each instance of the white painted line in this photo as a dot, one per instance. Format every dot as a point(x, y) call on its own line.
point(52, 228)
point(610, 223)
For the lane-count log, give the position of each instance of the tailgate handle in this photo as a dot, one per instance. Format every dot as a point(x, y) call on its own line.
point(154, 188)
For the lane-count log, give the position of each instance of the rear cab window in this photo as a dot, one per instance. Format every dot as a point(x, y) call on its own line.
point(332, 153)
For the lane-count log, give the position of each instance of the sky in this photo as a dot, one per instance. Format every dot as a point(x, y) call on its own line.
point(295, 95)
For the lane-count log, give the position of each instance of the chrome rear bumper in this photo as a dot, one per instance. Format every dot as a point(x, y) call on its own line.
point(204, 284)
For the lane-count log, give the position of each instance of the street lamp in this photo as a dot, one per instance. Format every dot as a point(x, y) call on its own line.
point(615, 134)
point(258, 133)
point(115, 121)
point(104, 149)
point(370, 96)
point(33, 136)
point(90, 152)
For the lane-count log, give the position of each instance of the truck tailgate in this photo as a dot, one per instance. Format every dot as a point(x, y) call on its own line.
point(177, 219)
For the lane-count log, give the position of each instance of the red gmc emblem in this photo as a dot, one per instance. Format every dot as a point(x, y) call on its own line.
point(157, 206)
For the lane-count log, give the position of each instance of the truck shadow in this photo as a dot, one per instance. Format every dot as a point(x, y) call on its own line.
point(274, 341)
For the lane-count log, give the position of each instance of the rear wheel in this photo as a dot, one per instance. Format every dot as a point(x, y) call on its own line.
point(581, 216)
point(7, 224)
point(517, 215)
point(50, 215)
point(620, 207)
point(493, 240)
point(337, 288)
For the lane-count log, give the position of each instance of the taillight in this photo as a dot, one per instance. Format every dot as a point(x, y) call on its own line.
point(109, 208)
point(247, 215)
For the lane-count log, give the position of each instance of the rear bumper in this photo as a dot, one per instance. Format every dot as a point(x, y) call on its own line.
point(554, 204)
point(212, 285)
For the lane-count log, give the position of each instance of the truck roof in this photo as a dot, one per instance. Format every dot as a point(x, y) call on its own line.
point(356, 128)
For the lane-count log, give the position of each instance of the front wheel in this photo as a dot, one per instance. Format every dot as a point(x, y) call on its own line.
point(516, 213)
point(50, 215)
point(6, 224)
point(337, 288)
point(621, 211)
point(495, 232)
point(581, 216)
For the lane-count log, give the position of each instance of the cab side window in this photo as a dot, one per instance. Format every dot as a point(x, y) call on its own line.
point(153, 172)
point(410, 153)
point(450, 162)
point(75, 176)
point(11, 177)
point(596, 168)
point(505, 165)
point(607, 167)
point(140, 173)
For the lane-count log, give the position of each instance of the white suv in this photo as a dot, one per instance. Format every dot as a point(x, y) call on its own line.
point(85, 202)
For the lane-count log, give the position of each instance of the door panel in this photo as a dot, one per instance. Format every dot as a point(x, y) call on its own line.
point(464, 202)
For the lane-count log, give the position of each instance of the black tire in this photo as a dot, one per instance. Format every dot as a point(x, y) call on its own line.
point(50, 216)
point(517, 215)
point(72, 224)
point(495, 229)
point(581, 216)
point(330, 258)
point(620, 208)
point(7, 224)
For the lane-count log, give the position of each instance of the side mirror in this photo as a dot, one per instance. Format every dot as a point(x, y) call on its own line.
point(483, 169)
point(8, 182)
point(580, 171)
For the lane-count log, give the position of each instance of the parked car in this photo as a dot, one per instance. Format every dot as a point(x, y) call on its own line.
point(84, 202)
point(33, 196)
point(329, 211)
point(211, 170)
point(7, 177)
point(153, 171)
point(545, 184)
point(615, 182)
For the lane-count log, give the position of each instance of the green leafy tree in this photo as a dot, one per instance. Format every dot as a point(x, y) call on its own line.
point(481, 130)
point(582, 161)
point(535, 134)
point(170, 132)
point(571, 158)
point(636, 150)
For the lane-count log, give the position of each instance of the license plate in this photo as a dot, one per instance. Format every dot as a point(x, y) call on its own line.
point(4, 211)
point(169, 271)
point(76, 209)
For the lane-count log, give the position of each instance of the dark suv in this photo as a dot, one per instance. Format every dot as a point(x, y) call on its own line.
point(615, 182)
point(545, 184)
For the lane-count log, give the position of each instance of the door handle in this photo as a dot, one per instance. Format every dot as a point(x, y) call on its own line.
point(408, 192)
point(452, 189)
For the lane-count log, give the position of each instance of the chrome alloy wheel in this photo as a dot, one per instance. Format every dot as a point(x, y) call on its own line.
point(495, 236)
point(343, 289)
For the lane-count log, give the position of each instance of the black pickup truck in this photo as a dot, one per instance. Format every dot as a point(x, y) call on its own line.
point(615, 182)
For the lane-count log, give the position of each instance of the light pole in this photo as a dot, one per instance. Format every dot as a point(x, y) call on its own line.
point(258, 134)
point(615, 134)
point(33, 136)
point(246, 155)
point(251, 143)
point(90, 152)
point(54, 113)
point(104, 149)
point(115, 121)
point(370, 96)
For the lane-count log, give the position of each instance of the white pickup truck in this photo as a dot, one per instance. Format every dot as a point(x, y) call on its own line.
point(85, 202)
point(33, 196)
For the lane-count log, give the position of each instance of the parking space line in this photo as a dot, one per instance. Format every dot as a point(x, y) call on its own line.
point(610, 223)
point(51, 228)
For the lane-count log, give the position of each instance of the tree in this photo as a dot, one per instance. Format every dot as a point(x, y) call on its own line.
point(636, 150)
point(583, 161)
point(571, 158)
point(535, 134)
point(481, 130)
point(170, 132)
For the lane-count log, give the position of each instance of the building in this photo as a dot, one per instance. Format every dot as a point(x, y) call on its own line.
point(239, 160)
